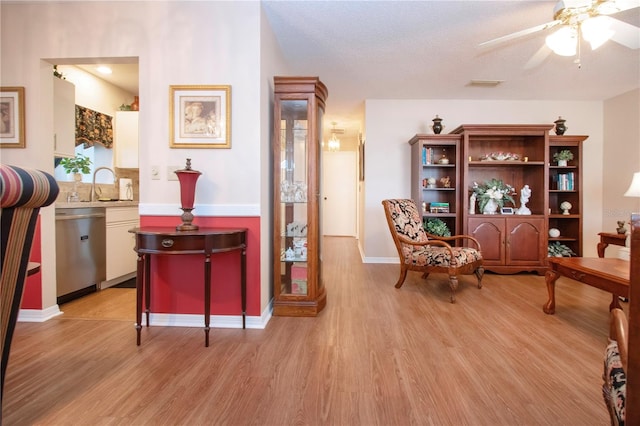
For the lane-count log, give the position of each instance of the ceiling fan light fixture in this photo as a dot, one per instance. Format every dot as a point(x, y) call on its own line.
point(597, 30)
point(563, 42)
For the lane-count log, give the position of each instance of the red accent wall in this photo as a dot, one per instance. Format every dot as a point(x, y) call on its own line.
point(177, 282)
point(32, 295)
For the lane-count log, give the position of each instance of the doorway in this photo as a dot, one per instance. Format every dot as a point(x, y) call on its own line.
point(339, 189)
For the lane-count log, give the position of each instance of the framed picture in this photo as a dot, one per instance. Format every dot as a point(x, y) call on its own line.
point(200, 116)
point(12, 112)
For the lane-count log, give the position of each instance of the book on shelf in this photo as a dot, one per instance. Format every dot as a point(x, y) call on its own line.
point(427, 155)
point(439, 207)
point(565, 181)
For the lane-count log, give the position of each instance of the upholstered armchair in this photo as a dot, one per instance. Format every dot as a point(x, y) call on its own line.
point(426, 253)
point(22, 193)
point(614, 389)
point(622, 356)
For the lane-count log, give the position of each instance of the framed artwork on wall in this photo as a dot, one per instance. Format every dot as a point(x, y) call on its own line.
point(200, 116)
point(12, 117)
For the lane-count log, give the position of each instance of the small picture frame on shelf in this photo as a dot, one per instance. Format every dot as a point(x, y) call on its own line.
point(506, 210)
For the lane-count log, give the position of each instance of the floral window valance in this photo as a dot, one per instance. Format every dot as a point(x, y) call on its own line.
point(93, 127)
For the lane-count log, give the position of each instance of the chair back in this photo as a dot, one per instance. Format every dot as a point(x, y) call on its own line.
point(22, 193)
point(405, 219)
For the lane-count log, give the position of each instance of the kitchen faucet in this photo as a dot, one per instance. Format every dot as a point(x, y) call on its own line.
point(93, 183)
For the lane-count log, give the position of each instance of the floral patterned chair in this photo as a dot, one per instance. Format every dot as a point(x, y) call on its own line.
point(614, 389)
point(428, 253)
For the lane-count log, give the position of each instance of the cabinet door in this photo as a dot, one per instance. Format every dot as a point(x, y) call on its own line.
point(490, 232)
point(64, 118)
point(121, 257)
point(526, 241)
point(125, 146)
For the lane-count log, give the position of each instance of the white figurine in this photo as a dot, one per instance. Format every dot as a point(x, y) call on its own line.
point(525, 193)
point(472, 203)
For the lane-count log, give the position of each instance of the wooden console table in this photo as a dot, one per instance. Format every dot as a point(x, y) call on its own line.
point(607, 238)
point(167, 241)
point(610, 275)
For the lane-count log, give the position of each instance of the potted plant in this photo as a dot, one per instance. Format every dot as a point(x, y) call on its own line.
point(492, 195)
point(563, 156)
point(77, 165)
point(556, 249)
point(435, 226)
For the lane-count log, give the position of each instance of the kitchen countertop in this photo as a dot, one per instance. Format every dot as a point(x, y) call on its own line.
point(86, 204)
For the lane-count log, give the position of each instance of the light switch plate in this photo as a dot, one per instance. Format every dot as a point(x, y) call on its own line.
point(155, 172)
point(171, 175)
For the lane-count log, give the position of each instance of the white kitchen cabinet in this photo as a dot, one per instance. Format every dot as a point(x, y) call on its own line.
point(64, 118)
point(121, 258)
point(125, 143)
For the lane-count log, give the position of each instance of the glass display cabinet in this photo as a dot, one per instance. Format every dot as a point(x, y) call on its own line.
point(299, 104)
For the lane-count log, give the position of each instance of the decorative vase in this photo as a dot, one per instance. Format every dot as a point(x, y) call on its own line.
point(491, 207)
point(187, 178)
point(135, 105)
point(73, 195)
point(437, 125)
point(562, 163)
point(560, 127)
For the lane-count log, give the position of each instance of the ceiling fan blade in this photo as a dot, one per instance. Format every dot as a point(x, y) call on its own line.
point(539, 57)
point(625, 34)
point(519, 34)
point(621, 5)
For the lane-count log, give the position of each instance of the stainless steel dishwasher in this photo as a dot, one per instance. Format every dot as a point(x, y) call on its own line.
point(80, 252)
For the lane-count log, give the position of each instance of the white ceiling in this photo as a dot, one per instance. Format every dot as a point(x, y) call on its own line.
point(429, 50)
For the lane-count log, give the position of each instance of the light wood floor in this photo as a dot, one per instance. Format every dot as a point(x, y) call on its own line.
point(375, 356)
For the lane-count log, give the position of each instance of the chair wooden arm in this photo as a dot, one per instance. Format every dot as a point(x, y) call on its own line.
point(619, 331)
point(440, 243)
point(457, 237)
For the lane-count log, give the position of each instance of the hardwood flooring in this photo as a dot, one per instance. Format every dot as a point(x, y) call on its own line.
point(376, 355)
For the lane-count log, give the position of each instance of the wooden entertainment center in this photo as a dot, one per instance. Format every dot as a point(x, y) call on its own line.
point(445, 167)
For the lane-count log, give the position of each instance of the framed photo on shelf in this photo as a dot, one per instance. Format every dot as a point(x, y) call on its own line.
point(507, 210)
point(200, 116)
point(12, 113)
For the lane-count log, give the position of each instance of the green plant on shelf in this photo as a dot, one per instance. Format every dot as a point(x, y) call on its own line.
point(564, 155)
point(557, 249)
point(435, 226)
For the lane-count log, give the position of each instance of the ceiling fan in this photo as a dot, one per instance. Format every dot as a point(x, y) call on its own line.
point(587, 18)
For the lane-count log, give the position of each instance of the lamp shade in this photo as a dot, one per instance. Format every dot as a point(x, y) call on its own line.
point(634, 188)
point(564, 41)
point(597, 30)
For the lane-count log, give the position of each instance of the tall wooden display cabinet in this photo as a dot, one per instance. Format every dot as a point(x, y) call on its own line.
point(299, 104)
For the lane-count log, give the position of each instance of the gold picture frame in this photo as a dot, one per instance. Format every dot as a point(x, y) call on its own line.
point(200, 116)
point(12, 117)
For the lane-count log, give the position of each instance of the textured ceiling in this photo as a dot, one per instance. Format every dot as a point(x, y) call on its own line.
point(429, 50)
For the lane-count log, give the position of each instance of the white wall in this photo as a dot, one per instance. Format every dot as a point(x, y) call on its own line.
point(621, 158)
point(177, 43)
point(391, 123)
point(271, 63)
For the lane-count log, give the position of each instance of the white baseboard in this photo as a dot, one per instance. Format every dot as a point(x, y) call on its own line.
point(38, 315)
point(166, 320)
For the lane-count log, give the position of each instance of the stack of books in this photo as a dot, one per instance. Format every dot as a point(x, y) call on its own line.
point(565, 181)
point(439, 207)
